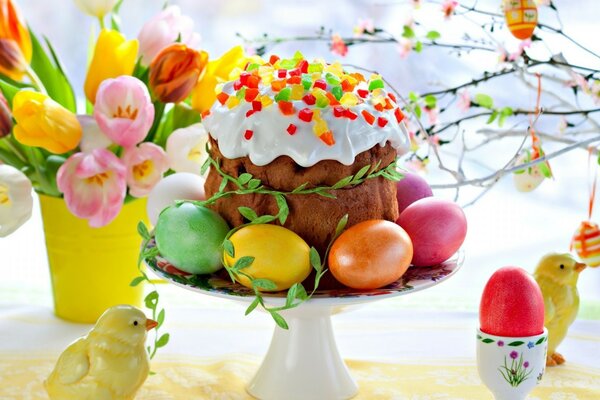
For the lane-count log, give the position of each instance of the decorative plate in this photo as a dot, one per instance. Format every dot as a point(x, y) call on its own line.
point(219, 284)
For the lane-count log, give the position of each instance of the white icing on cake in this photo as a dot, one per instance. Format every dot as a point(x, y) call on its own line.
point(270, 138)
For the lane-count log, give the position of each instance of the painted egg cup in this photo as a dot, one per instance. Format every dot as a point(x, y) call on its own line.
point(511, 366)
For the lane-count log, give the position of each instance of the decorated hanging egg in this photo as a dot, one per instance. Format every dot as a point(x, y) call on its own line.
point(528, 179)
point(521, 17)
point(586, 242)
point(512, 304)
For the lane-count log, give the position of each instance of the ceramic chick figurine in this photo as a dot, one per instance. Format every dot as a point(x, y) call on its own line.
point(557, 275)
point(110, 363)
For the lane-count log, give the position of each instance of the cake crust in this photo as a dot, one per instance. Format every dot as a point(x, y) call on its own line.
point(312, 216)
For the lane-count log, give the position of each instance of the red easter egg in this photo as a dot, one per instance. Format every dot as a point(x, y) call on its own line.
point(512, 304)
point(521, 17)
point(437, 228)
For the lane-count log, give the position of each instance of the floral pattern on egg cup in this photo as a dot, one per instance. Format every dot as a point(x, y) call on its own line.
point(511, 366)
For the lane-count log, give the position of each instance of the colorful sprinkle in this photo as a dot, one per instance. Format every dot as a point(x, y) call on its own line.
point(278, 85)
point(375, 84)
point(248, 134)
point(381, 121)
point(321, 84)
point(310, 99)
point(284, 94)
point(222, 97)
point(251, 94)
point(327, 138)
point(349, 99)
point(291, 129)
point(257, 105)
point(306, 114)
point(297, 92)
point(348, 113)
point(337, 92)
point(273, 59)
point(286, 107)
point(399, 115)
point(362, 93)
point(368, 117)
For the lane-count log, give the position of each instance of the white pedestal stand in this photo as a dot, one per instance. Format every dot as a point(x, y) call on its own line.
point(304, 362)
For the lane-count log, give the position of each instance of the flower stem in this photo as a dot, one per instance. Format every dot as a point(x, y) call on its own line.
point(159, 108)
point(35, 80)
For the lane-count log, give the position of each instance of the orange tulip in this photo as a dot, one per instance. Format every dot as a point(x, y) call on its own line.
point(13, 28)
point(175, 71)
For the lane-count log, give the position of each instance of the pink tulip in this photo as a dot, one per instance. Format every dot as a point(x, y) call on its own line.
point(164, 29)
point(123, 110)
point(145, 165)
point(94, 186)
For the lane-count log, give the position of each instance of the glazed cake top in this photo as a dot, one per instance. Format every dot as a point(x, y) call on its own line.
point(308, 111)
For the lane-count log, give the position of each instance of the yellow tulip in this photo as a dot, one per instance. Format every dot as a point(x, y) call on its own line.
point(12, 27)
point(113, 56)
point(217, 71)
point(42, 122)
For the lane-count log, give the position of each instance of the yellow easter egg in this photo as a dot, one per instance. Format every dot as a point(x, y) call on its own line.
point(586, 242)
point(521, 17)
point(280, 255)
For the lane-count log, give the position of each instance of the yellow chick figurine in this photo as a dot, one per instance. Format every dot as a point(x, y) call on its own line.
point(557, 275)
point(109, 363)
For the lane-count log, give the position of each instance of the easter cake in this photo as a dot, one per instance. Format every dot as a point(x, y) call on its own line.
point(298, 124)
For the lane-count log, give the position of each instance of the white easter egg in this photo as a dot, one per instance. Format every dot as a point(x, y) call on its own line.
point(528, 179)
point(180, 186)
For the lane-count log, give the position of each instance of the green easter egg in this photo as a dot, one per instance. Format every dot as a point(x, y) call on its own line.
point(190, 238)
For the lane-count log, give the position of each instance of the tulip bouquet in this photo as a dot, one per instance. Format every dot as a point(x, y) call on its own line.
point(144, 99)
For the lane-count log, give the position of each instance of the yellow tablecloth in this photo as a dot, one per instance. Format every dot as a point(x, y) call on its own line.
point(225, 378)
point(214, 351)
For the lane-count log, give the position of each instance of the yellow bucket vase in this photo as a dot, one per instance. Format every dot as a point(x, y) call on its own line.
point(91, 268)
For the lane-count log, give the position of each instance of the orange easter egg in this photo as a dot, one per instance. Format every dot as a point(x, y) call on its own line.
point(586, 242)
point(521, 17)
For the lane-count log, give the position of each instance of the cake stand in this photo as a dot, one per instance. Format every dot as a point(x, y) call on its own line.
point(303, 362)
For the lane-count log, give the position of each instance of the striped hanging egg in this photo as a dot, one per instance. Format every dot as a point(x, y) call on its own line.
point(586, 242)
point(521, 17)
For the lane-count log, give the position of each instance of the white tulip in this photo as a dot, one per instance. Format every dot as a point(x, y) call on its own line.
point(16, 201)
point(93, 137)
point(186, 148)
point(96, 8)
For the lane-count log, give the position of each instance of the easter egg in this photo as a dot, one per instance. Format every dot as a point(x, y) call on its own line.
point(180, 186)
point(586, 242)
point(370, 254)
point(521, 17)
point(190, 237)
point(512, 304)
point(437, 228)
point(410, 189)
point(280, 255)
point(528, 179)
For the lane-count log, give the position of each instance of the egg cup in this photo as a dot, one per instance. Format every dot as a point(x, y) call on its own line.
point(511, 366)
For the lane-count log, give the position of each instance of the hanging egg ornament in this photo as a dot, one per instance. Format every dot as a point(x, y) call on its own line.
point(528, 179)
point(521, 17)
point(586, 242)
